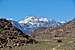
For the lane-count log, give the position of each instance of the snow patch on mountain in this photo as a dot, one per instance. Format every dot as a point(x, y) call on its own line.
point(33, 20)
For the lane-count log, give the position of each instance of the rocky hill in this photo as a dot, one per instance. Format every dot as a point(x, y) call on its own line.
point(11, 36)
point(47, 34)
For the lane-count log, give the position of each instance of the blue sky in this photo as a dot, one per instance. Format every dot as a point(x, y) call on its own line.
point(56, 9)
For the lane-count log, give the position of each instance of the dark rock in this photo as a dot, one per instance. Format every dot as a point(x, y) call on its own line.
point(59, 41)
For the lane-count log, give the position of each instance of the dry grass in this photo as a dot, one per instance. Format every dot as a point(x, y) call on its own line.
point(67, 44)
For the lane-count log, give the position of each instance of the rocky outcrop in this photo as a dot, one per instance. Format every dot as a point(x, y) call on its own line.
point(11, 36)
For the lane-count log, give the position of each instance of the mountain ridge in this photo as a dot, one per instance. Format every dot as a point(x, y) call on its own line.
point(33, 22)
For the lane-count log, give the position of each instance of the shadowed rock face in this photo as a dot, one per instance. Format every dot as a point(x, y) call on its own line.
point(67, 30)
point(11, 36)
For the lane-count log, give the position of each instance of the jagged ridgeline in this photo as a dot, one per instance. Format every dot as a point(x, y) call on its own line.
point(11, 36)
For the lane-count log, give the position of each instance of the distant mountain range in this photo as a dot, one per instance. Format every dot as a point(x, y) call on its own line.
point(33, 22)
point(30, 23)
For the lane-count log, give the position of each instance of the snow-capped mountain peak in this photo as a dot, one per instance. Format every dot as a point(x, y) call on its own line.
point(27, 20)
point(33, 20)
